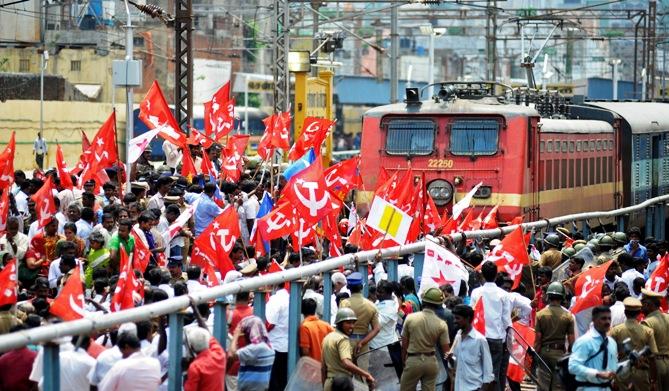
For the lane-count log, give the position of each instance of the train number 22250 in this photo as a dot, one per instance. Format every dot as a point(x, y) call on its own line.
point(440, 163)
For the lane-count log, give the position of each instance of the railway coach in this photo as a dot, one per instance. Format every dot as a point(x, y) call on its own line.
point(536, 154)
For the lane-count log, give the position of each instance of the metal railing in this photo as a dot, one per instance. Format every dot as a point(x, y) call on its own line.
point(174, 307)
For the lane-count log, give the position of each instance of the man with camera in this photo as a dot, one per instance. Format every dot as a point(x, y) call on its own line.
point(594, 357)
point(642, 376)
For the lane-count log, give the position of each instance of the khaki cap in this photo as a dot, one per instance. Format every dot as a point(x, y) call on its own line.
point(649, 293)
point(631, 303)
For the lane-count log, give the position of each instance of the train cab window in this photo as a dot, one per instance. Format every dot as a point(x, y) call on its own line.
point(542, 146)
point(474, 137)
point(578, 146)
point(410, 137)
point(549, 146)
point(564, 146)
point(571, 146)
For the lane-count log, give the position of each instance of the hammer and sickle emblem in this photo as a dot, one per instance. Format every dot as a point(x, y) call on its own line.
point(223, 233)
point(313, 203)
point(278, 223)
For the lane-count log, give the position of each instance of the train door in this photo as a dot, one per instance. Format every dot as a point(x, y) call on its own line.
point(660, 180)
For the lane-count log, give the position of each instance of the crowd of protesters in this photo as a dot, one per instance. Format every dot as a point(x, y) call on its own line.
point(427, 335)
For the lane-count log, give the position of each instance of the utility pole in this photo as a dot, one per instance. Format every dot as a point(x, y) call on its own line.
point(129, 96)
point(394, 54)
point(183, 86)
point(280, 69)
point(651, 48)
point(491, 40)
point(44, 57)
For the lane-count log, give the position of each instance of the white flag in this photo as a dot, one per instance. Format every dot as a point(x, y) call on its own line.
point(440, 267)
point(138, 144)
point(179, 223)
point(464, 202)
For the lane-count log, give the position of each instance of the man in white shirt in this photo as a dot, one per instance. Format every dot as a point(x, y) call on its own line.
point(497, 307)
point(14, 242)
point(163, 185)
point(136, 371)
point(109, 357)
point(387, 338)
point(474, 367)
point(276, 314)
point(85, 224)
point(518, 302)
point(618, 308)
point(21, 198)
point(194, 272)
point(250, 202)
point(627, 263)
point(67, 249)
point(75, 364)
point(313, 286)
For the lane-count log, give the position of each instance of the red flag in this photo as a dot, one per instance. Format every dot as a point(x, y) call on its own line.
point(510, 255)
point(343, 177)
point(219, 113)
point(383, 177)
point(450, 225)
point(141, 253)
point(304, 235)
point(307, 192)
point(187, 165)
point(659, 279)
point(478, 322)
point(490, 221)
point(126, 286)
point(431, 218)
point(4, 210)
point(44, 203)
point(197, 138)
point(8, 284)
point(281, 130)
point(467, 221)
point(265, 149)
point(517, 220)
point(332, 234)
point(217, 240)
point(154, 112)
point(102, 152)
point(279, 222)
point(7, 164)
point(314, 132)
point(518, 355)
point(588, 288)
point(212, 280)
point(69, 304)
point(237, 144)
point(207, 167)
point(63, 173)
point(274, 267)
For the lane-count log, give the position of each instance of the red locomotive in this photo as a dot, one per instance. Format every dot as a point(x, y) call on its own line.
point(536, 154)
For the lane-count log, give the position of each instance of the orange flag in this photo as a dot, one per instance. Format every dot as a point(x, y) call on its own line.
point(478, 322)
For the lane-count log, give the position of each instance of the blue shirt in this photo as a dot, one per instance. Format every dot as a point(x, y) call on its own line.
point(640, 251)
point(255, 367)
point(205, 212)
point(586, 370)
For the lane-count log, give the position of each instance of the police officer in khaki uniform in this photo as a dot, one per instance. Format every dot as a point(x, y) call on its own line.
point(638, 378)
point(619, 240)
point(336, 353)
point(551, 257)
point(421, 333)
point(554, 326)
point(367, 325)
point(659, 323)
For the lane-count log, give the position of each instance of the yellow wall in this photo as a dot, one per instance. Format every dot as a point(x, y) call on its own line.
point(63, 123)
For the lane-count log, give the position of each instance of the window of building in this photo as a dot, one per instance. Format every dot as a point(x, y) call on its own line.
point(410, 137)
point(556, 174)
point(474, 137)
point(563, 172)
point(549, 175)
point(24, 65)
point(591, 173)
point(571, 146)
point(75, 65)
point(571, 173)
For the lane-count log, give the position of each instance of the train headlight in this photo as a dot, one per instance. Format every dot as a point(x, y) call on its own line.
point(441, 191)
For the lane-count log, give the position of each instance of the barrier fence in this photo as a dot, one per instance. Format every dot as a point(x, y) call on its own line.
point(654, 210)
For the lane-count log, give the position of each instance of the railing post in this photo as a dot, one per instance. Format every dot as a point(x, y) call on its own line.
point(418, 259)
point(51, 363)
point(259, 304)
point(175, 345)
point(620, 223)
point(294, 308)
point(221, 322)
point(327, 296)
point(364, 270)
point(649, 222)
point(586, 229)
point(392, 269)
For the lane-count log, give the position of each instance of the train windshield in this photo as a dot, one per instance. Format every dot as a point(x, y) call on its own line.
point(410, 137)
point(474, 137)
